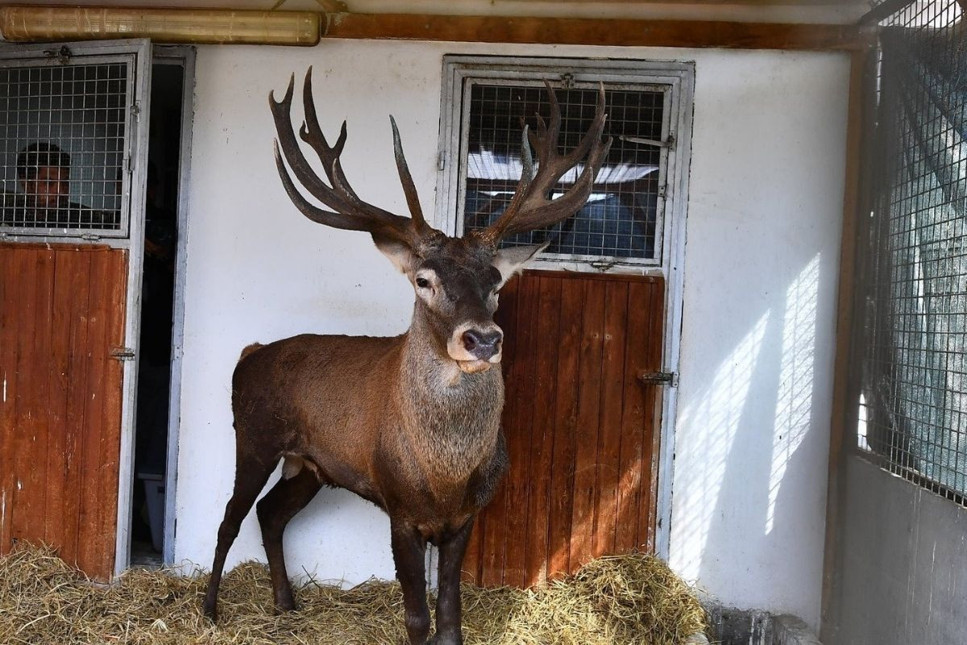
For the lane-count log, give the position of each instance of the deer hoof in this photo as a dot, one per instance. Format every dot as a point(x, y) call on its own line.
point(210, 612)
point(286, 606)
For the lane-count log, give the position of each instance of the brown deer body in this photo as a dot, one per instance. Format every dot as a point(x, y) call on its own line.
point(410, 423)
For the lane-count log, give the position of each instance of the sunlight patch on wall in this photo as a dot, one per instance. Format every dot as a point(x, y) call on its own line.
point(708, 432)
point(796, 378)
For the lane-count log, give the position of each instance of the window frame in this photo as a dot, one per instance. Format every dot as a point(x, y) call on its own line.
point(674, 79)
point(131, 54)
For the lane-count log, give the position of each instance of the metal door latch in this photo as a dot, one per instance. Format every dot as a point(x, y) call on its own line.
point(658, 378)
point(122, 353)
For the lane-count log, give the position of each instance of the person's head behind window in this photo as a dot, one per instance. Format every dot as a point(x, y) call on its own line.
point(44, 172)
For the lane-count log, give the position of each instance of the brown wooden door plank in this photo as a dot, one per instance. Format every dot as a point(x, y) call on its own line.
point(26, 419)
point(57, 403)
point(11, 323)
point(651, 349)
point(517, 426)
point(647, 521)
point(111, 437)
point(647, 530)
point(98, 504)
point(87, 549)
point(108, 467)
point(612, 392)
point(541, 450)
point(7, 360)
point(36, 388)
point(631, 425)
point(587, 429)
point(74, 281)
point(565, 421)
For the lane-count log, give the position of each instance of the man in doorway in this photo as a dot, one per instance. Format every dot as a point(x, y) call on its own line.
point(43, 172)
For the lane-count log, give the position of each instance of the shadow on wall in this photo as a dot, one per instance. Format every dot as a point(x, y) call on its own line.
point(744, 520)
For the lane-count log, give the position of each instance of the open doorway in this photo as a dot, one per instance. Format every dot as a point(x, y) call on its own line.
point(158, 303)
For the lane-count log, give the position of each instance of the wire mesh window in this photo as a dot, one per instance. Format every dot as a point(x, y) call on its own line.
point(913, 410)
point(62, 133)
point(622, 218)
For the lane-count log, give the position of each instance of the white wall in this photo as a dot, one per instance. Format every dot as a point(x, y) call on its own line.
point(761, 260)
point(762, 257)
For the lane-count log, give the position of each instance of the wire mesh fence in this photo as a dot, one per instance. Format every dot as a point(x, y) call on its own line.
point(621, 218)
point(913, 410)
point(62, 132)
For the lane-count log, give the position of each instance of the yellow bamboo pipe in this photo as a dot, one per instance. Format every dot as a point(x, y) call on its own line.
point(20, 23)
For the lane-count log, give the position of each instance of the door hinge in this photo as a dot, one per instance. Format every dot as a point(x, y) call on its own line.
point(658, 378)
point(122, 353)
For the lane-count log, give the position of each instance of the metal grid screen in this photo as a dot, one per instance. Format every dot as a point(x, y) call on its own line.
point(913, 411)
point(62, 131)
point(621, 218)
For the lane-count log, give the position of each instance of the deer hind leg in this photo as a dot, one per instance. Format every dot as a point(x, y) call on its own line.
point(287, 497)
point(409, 551)
point(251, 473)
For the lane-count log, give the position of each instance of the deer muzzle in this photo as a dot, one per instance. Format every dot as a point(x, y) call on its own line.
point(476, 349)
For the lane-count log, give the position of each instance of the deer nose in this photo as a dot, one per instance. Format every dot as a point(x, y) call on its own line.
point(482, 345)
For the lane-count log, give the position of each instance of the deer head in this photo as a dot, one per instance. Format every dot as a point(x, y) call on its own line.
point(456, 280)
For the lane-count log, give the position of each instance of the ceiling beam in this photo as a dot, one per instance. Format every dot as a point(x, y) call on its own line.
point(583, 31)
point(755, 3)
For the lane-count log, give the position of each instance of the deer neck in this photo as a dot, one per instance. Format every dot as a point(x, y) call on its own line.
point(451, 418)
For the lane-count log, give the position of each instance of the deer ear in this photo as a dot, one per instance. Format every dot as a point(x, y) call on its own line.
point(399, 253)
point(511, 261)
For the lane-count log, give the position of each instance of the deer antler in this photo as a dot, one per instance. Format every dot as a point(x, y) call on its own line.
point(348, 211)
point(530, 207)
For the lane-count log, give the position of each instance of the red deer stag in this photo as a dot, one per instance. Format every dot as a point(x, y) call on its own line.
point(411, 423)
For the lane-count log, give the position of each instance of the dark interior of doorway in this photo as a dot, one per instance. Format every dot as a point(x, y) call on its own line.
point(157, 298)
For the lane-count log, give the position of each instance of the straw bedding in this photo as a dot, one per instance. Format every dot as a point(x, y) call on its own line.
point(620, 599)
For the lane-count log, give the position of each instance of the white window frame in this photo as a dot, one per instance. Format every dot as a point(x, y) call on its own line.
point(679, 79)
point(131, 54)
point(670, 78)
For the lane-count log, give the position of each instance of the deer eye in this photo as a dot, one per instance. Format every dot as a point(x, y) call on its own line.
point(422, 283)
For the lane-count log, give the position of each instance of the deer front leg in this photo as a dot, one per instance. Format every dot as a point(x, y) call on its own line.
point(409, 551)
point(448, 607)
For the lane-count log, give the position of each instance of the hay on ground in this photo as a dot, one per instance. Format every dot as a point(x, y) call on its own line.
point(616, 599)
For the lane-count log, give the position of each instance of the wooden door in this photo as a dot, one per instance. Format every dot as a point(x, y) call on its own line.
point(61, 317)
point(582, 427)
point(70, 275)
